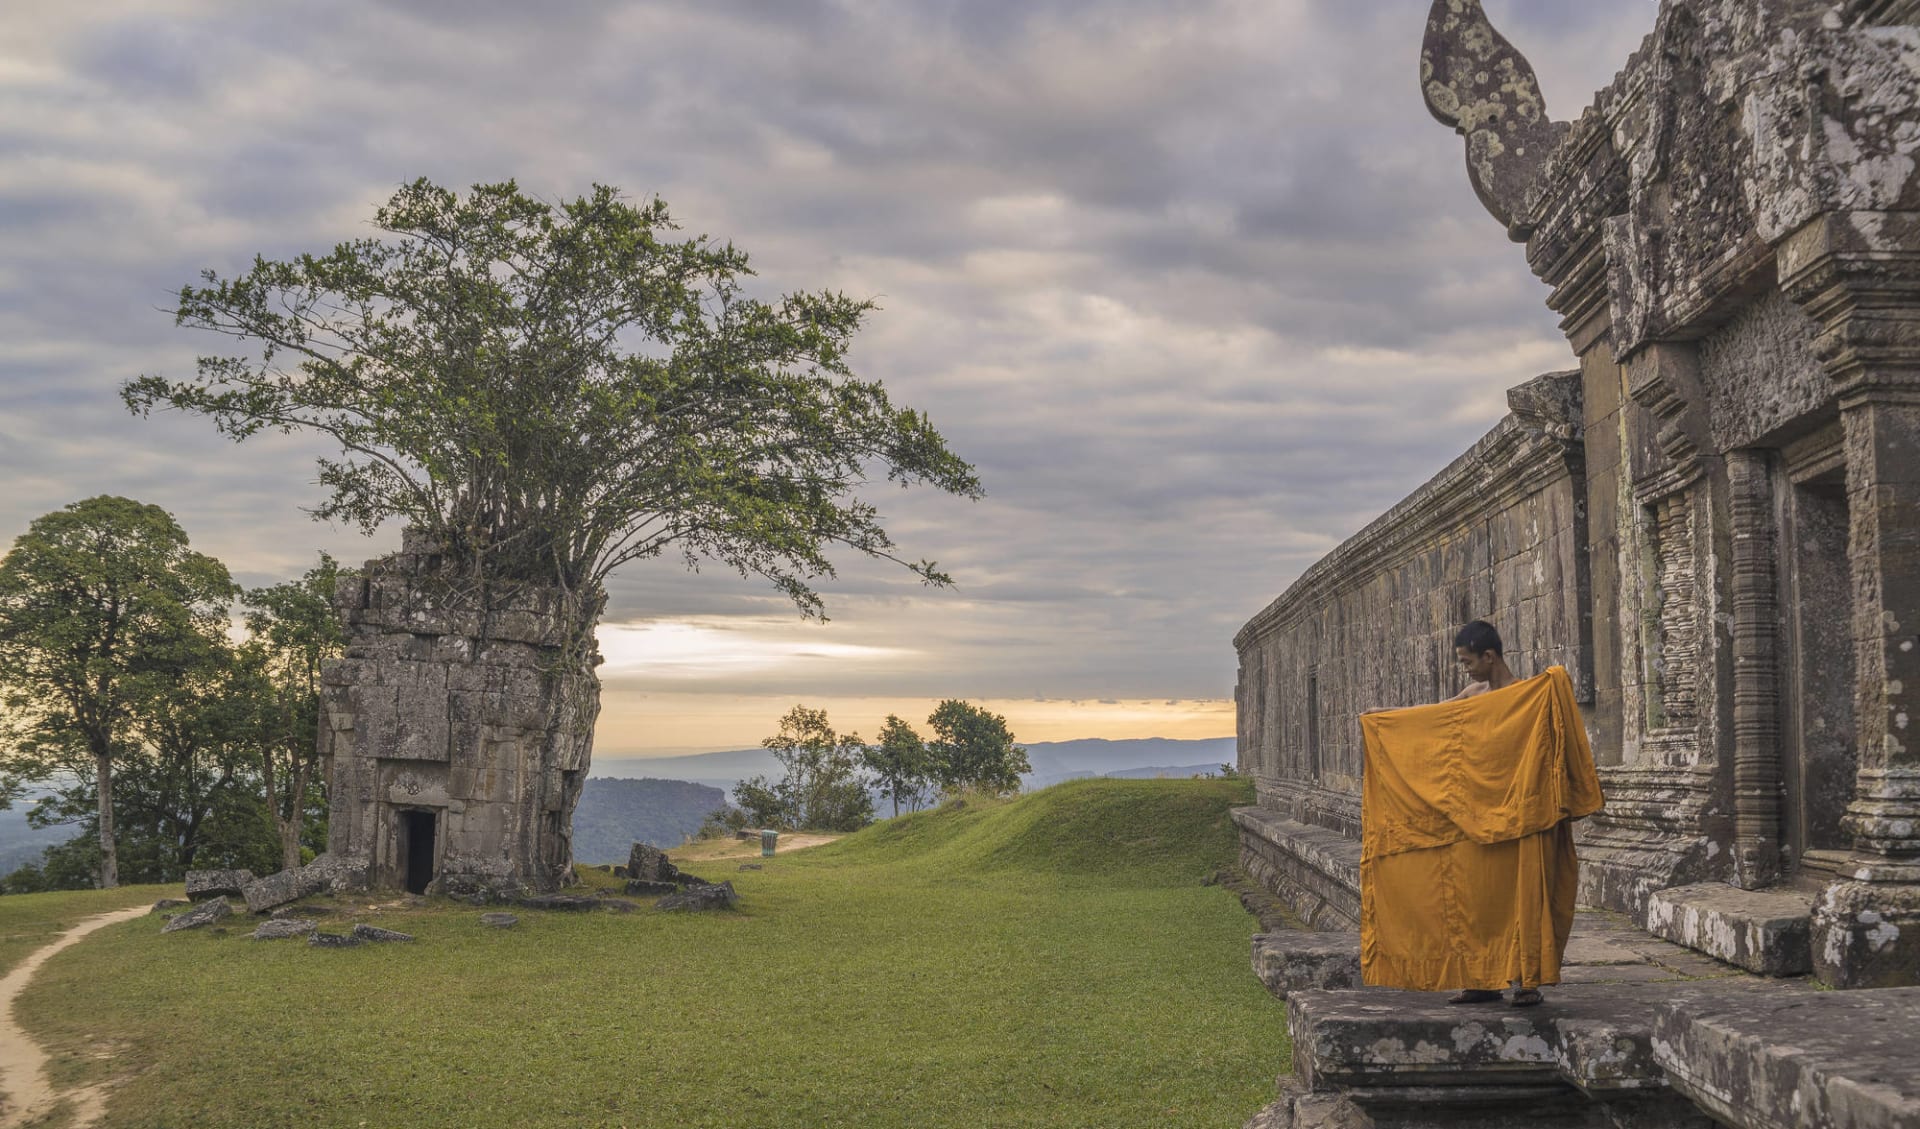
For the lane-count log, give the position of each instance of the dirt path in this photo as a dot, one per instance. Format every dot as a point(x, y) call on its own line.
point(23, 1065)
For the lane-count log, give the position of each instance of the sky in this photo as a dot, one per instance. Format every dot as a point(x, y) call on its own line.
point(1197, 287)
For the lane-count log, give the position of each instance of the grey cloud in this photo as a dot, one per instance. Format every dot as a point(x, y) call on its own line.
point(1119, 249)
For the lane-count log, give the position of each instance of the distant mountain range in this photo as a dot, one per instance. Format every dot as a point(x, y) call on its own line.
point(614, 814)
point(660, 800)
point(1052, 761)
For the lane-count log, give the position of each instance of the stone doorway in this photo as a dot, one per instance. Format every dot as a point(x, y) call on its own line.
point(417, 835)
point(1819, 757)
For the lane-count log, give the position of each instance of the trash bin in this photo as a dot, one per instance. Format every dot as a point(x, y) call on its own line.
point(767, 839)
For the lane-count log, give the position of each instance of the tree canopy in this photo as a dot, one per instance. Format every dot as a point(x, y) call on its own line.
point(107, 619)
point(973, 748)
point(821, 789)
point(552, 391)
point(900, 764)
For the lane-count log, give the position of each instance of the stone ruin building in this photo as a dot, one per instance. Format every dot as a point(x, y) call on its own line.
point(456, 742)
point(1712, 520)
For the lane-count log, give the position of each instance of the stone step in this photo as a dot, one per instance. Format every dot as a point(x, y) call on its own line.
point(1763, 931)
point(1791, 1057)
point(1298, 961)
point(1598, 1039)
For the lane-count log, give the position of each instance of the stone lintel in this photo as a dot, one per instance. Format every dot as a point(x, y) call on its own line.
point(1788, 1058)
point(1764, 931)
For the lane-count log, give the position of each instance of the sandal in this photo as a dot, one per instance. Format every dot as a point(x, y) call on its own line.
point(1477, 996)
point(1526, 997)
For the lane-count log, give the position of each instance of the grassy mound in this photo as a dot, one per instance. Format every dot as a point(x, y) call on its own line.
point(1046, 961)
point(1130, 832)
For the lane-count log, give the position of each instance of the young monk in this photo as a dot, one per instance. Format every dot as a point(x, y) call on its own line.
point(1467, 863)
point(1483, 658)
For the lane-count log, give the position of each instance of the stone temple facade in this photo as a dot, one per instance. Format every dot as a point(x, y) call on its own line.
point(1712, 518)
point(457, 741)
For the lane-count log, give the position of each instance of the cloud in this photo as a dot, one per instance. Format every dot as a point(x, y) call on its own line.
point(1199, 288)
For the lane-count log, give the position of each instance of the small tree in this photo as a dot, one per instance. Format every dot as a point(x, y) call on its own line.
point(294, 630)
point(104, 612)
point(972, 748)
point(821, 789)
point(900, 765)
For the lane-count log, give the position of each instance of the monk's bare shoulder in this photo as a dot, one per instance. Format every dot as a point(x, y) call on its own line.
point(1472, 691)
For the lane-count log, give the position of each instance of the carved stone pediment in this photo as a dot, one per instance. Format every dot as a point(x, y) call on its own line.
point(1476, 82)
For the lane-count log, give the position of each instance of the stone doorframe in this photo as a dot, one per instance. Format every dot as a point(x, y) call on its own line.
point(1858, 275)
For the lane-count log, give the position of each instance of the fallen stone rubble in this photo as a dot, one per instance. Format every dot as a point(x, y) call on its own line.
point(206, 913)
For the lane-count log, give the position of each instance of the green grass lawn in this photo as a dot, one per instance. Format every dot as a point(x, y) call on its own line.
point(1048, 961)
point(28, 921)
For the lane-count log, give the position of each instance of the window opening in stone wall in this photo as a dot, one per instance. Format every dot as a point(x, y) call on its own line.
point(1313, 723)
point(417, 842)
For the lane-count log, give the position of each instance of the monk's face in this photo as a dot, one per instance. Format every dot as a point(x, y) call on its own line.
point(1477, 667)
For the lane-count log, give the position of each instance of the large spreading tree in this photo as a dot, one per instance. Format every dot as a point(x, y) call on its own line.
point(109, 621)
point(551, 391)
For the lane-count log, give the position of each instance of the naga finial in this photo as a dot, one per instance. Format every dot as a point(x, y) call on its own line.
point(1476, 82)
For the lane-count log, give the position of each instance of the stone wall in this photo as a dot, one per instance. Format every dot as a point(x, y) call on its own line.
point(470, 730)
point(1500, 534)
point(1728, 555)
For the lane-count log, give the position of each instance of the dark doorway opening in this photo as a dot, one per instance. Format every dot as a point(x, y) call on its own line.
point(417, 830)
point(1819, 737)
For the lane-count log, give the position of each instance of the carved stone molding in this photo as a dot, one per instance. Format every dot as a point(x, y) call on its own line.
point(1665, 379)
point(1756, 686)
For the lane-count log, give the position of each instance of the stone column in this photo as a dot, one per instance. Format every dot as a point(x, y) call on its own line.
point(1756, 727)
point(1859, 276)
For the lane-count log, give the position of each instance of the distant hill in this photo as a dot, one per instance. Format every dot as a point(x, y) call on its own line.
point(20, 843)
point(614, 814)
point(1053, 761)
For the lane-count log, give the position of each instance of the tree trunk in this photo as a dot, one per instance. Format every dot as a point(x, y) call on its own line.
point(289, 843)
point(289, 826)
point(109, 861)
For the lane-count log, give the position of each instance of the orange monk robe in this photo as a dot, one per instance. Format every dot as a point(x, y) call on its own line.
point(1467, 869)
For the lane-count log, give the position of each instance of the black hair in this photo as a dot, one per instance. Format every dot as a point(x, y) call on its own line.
point(1479, 637)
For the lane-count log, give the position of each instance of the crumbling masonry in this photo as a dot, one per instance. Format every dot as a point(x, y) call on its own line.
point(1712, 519)
point(457, 740)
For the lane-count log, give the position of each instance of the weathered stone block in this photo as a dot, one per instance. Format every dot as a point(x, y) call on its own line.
point(650, 864)
point(209, 883)
point(1867, 934)
point(206, 913)
point(333, 940)
point(263, 894)
point(281, 928)
point(1788, 1058)
point(1300, 961)
point(1764, 931)
point(364, 932)
point(698, 898)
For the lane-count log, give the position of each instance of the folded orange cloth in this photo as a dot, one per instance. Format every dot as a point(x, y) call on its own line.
point(1467, 867)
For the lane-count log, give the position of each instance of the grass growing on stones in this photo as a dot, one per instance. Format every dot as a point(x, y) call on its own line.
point(1046, 961)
